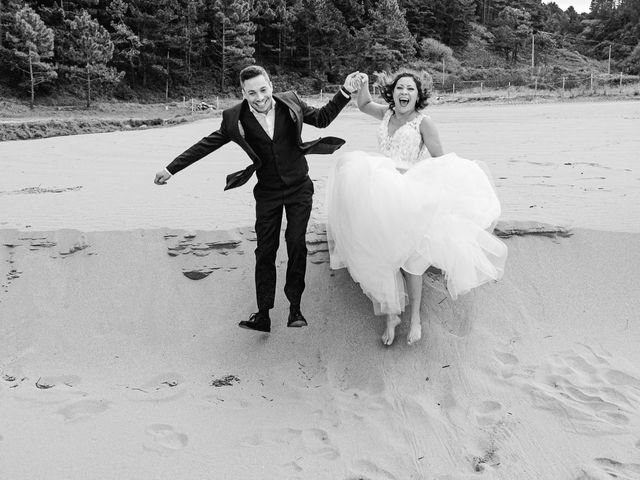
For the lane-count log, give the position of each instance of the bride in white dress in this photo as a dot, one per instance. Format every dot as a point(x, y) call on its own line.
point(393, 215)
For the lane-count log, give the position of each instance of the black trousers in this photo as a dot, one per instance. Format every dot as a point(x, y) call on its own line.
point(296, 201)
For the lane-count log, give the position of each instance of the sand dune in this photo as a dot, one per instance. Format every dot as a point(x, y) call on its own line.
point(119, 302)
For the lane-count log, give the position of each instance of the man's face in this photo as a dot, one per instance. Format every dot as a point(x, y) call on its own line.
point(258, 92)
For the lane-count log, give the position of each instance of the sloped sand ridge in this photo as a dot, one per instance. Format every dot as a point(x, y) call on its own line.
point(118, 361)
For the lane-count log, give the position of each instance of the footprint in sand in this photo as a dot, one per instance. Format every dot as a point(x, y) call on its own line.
point(488, 413)
point(456, 317)
point(164, 387)
point(311, 440)
point(367, 469)
point(617, 377)
point(304, 444)
point(507, 358)
point(83, 409)
point(317, 442)
point(489, 459)
point(509, 363)
point(489, 406)
point(584, 389)
point(294, 465)
point(493, 420)
point(164, 438)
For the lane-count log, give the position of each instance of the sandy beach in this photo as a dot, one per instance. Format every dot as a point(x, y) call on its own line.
point(119, 301)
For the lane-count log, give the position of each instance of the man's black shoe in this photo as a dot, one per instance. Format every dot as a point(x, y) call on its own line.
point(296, 319)
point(257, 321)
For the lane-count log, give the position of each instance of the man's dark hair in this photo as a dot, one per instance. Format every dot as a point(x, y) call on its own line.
point(252, 71)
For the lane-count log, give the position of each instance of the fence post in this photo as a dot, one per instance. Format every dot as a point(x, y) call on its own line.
point(454, 88)
point(535, 91)
point(217, 103)
point(563, 78)
point(508, 90)
point(481, 85)
point(620, 81)
point(592, 83)
point(320, 94)
point(192, 107)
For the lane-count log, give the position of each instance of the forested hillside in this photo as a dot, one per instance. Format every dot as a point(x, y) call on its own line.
point(163, 49)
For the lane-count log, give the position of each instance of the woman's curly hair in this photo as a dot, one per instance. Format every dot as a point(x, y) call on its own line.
point(387, 83)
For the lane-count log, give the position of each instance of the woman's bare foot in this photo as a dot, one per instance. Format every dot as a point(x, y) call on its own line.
point(415, 331)
point(390, 333)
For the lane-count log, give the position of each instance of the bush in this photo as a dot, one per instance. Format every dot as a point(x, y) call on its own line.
point(432, 50)
point(294, 81)
point(632, 63)
point(123, 91)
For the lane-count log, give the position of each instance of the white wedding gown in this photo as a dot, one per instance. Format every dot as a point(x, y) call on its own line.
point(439, 212)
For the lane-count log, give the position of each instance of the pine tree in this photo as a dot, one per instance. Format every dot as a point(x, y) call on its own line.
point(8, 11)
point(356, 13)
point(263, 15)
point(421, 18)
point(171, 42)
point(234, 37)
point(511, 30)
point(33, 42)
point(125, 42)
point(457, 16)
point(284, 26)
point(90, 49)
point(321, 33)
point(143, 21)
point(392, 42)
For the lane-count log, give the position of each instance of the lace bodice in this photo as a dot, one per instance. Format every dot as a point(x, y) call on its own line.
point(405, 146)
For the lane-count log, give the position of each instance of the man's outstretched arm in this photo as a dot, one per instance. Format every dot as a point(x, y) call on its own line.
point(201, 149)
point(322, 117)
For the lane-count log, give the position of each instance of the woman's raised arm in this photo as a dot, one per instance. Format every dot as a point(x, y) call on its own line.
point(364, 100)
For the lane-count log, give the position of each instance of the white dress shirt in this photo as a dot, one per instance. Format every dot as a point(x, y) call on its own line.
point(266, 120)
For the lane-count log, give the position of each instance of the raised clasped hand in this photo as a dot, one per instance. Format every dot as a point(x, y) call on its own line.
point(362, 80)
point(351, 82)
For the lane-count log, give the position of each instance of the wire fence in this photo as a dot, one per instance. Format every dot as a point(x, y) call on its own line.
point(559, 86)
point(565, 84)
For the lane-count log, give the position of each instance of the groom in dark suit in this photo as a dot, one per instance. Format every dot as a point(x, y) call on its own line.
point(268, 127)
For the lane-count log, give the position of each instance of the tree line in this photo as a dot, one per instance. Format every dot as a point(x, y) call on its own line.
point(177, 46)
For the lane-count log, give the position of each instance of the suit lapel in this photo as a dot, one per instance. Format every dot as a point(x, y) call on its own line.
point(237, 134)
point(294, 110)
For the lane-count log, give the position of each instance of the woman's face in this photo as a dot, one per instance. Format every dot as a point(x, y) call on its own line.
point(405, 95)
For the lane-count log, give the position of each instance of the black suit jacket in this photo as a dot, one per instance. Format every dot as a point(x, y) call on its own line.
point(231, 130)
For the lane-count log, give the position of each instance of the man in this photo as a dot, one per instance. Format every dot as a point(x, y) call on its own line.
point(268, 127)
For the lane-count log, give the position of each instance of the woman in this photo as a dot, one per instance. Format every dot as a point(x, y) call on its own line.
point(394, 214)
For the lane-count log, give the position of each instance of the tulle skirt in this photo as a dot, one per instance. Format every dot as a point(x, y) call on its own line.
point(439, 212)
